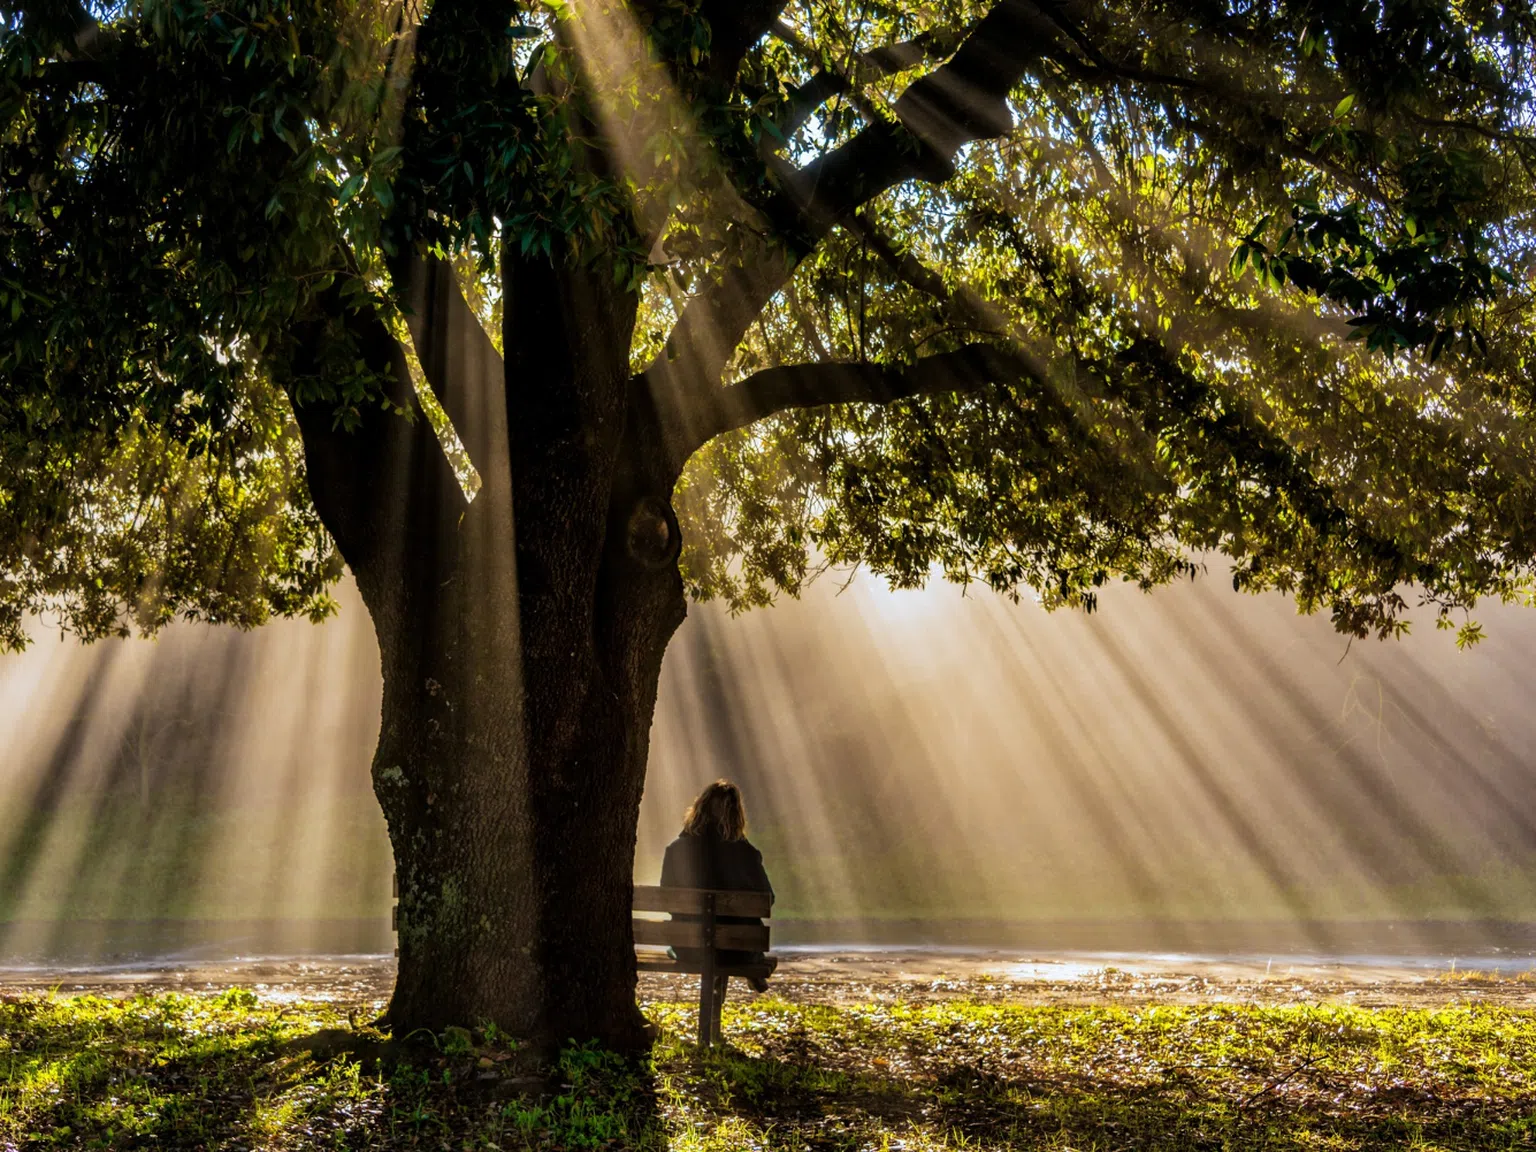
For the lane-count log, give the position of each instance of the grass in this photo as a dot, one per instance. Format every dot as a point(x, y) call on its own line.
point(233, 1072)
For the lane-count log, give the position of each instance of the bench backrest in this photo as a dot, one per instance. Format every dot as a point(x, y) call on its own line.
point(704, 932)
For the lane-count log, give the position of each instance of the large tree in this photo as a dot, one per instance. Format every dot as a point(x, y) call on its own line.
point(541, 316)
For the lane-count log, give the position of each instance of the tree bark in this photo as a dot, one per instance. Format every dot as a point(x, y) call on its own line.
point(521, 638)
point(510, 770)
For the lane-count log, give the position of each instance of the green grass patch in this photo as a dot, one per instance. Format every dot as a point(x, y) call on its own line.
point(232, 1072)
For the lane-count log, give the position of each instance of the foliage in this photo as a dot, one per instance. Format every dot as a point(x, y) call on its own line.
point(108, 530)
point(183, 1071)
point(1190, 263)
point(1262, 272)
point(149, 466)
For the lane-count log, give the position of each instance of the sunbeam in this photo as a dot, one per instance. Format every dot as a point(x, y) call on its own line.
point(1189, 771)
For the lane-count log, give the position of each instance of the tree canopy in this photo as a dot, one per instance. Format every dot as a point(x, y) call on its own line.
point(1036, 293)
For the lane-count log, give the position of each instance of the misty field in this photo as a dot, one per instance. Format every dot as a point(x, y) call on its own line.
point(232, 1072)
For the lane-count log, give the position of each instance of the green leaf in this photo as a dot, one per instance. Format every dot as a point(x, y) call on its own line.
point(351, 186)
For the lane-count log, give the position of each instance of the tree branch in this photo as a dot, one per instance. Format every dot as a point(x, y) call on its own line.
point(780, 389)
point(1100, 66)
point(963, 100)
point(458, 359)
point(377, 484)
point(866, 67)
point(735, 25)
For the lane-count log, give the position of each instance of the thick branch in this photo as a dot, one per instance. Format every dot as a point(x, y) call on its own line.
point(962, 101)
point(736, 25)
point(865, 68)
point(1099, 66)
point(775, 390)
point(377, 483)
point(458, 359)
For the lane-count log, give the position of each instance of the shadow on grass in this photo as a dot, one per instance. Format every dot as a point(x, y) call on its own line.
point(229, 1072)
point(180, 1072)
point(775, 1103)
point(788, 1103)
point(1023, 1078)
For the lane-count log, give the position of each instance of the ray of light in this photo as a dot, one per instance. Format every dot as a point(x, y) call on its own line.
point(912, 761)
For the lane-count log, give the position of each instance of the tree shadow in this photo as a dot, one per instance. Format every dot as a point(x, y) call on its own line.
point(793, 1097)
point(230, 1072)
point(173, 1072)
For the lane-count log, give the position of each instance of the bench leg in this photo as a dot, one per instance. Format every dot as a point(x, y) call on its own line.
point(722, 985)
point(707, 1008)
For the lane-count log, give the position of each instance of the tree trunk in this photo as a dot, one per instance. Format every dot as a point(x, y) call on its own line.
point(520, 660)
point(510, 769)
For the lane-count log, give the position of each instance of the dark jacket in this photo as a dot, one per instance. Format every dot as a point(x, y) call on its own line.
point(709, 862)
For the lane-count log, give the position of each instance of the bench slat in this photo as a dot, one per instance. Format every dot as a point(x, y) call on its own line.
point(650, 898)
point(687, 934)
point(660, 963)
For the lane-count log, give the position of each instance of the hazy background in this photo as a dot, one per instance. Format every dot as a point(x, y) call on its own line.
point(1191, 768)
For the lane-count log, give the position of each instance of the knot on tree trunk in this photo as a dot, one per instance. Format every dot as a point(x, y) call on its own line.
point(652, 536)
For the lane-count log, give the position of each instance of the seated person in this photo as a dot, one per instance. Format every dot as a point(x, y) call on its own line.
point(713, 852)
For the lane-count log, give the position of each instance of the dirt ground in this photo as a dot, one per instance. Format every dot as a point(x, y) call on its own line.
point(917, 976)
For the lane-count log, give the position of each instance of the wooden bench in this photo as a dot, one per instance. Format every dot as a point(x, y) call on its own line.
point(706, 935)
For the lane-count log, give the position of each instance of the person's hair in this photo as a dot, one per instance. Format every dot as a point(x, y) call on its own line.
point(717, 812)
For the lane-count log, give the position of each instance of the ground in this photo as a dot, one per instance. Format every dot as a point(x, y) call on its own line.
point(843, 976)
point(846, 1052)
